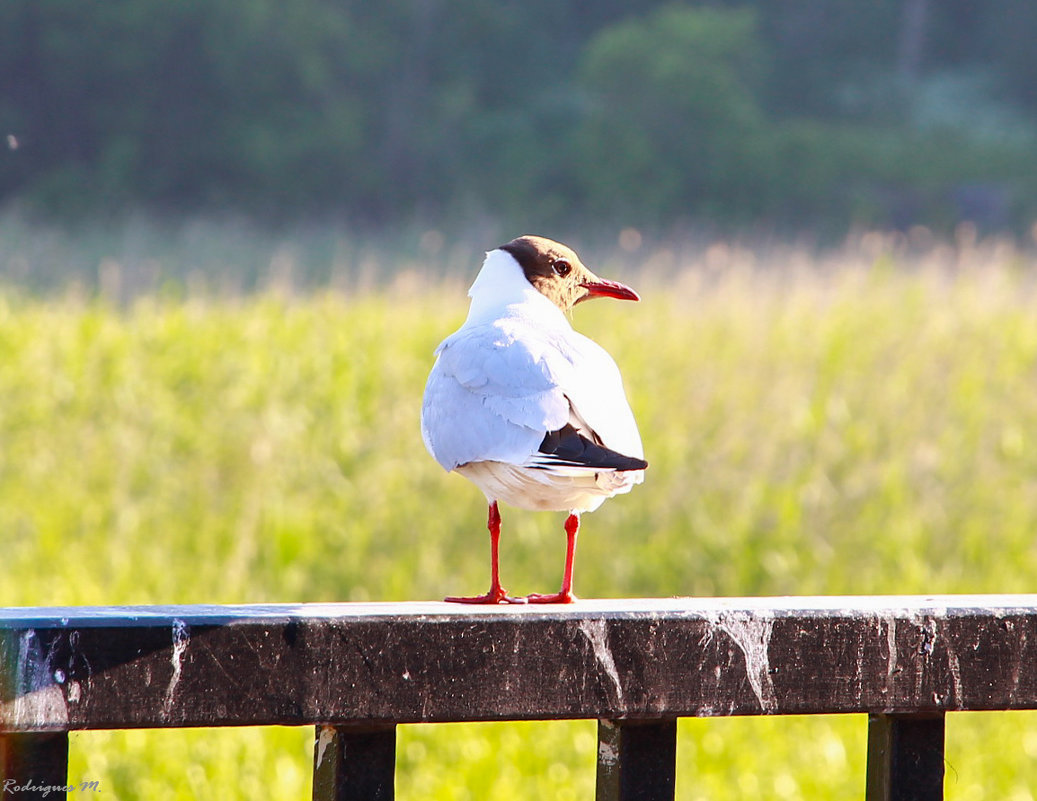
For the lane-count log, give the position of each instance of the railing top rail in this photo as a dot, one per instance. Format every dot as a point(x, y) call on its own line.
point(17, 617)
point(371, 664)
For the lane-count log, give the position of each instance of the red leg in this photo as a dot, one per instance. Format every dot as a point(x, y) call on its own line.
point(565, 594)
point(497, 594)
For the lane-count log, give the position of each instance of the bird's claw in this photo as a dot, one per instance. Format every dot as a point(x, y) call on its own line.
point(560, 597)
point(496, 595)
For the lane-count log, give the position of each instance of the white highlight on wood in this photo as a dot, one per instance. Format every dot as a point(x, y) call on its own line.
point(181, 639)
point(597, 636)
point(327, 735)
point(39, 703)
point(608, 753)
point(751, 632)
point(955, 668)
point(891, 644)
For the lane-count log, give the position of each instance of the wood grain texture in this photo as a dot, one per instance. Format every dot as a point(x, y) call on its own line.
point(127, 667)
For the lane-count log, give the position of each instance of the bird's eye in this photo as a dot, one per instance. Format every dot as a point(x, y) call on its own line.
point(561, 267)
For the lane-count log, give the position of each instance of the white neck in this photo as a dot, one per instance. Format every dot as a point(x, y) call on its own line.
point(502, 285)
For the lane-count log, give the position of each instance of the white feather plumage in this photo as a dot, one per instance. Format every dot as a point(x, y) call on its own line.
point(514, 371)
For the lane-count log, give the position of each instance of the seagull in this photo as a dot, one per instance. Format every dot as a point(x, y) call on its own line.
point(527, 409)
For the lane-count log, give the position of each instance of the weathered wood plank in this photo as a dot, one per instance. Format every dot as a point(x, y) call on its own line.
point(103, 668)
point(34, 766)
point(637, 760)
point(354, 764)
point(905, 757)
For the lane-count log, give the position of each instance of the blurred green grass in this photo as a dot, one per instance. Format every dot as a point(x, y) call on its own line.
point(861, 423)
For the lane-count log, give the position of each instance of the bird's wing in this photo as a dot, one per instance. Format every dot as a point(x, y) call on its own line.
point(491, 395)
point(550, 399)
point(598, 400)
point(601, 434)
point(570, 452)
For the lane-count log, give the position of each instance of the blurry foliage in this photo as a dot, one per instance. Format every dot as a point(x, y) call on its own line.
point(787, 112)
point(674, 125)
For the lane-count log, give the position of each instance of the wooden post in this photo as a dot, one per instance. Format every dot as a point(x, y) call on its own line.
point(637, 760)
point(354, 763)
point(36, 762)
point(905, 757)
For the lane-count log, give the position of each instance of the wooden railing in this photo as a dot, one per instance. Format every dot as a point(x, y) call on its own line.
point(355, 671)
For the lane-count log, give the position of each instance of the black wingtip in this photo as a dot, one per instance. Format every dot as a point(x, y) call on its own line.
point(570, 447)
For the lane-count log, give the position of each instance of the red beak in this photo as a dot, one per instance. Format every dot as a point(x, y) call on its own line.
point(600, 288)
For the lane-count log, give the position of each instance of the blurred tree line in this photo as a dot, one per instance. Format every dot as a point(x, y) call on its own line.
point(789, 112)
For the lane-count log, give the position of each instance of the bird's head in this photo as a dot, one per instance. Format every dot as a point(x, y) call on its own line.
point(558, 274)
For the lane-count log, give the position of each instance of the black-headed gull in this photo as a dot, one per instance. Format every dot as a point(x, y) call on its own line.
point(530, 411)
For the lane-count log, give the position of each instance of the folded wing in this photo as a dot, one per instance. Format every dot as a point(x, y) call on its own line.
point(549, 400)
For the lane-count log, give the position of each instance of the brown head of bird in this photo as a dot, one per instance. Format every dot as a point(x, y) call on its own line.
point(559, 275)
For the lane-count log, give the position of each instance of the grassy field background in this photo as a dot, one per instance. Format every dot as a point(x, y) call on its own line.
point(855, 422)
